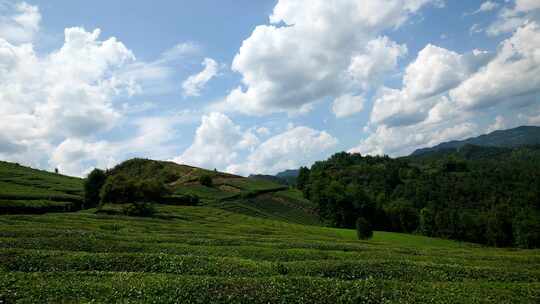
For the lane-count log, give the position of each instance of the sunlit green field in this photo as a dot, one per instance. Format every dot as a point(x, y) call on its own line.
point(25, 190)
point(207, 255)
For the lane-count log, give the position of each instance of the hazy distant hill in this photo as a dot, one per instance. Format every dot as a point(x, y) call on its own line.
point(270, 178)
point(520, 136)
point(287, 177)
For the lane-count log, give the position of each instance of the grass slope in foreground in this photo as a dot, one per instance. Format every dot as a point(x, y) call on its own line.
point(27, 190)
point(208, 255)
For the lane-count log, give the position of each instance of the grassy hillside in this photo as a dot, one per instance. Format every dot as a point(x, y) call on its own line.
point(248, 196)
point(26, 190)
point(208, 255)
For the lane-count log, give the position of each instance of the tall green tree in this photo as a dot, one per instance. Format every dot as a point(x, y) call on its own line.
point(92, 187)
point(303, 178)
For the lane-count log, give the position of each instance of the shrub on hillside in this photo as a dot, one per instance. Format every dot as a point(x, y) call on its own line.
point(206, 180)
point(150, 190)
point(118, 189)
point(139, 209)
point(363, 229)
point(92, 186)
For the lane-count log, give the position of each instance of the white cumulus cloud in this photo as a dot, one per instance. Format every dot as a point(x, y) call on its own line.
point(512, 17)
point(435, 70)
point(347, 105)
point(66, 94)
point(195, 83)
point(19, 22)
point(305, 53)
point(512, 77)
point(217, 143)
point(291, 149)
point(447, 95)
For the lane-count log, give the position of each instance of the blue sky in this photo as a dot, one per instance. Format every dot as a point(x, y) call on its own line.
point(259, 86)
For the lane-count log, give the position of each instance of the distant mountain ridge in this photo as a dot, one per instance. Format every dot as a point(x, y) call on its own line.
point(511, 138)
point(287, 177)
point(288, 173)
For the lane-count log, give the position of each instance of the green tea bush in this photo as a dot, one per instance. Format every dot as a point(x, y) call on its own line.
point(181, 200)
point(206, 180)
point(207, 255)
point(139, 209)
point(364, 231)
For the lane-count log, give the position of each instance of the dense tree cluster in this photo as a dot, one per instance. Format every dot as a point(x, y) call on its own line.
point(476, 194)
point(138, 182)
point(92, 187)
point(121, 188)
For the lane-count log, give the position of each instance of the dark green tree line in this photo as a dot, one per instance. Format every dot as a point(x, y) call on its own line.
point(483, 195)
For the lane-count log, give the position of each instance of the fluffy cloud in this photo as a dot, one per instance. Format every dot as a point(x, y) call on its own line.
point(291, 149)
point(153, 137)
point(434, 71)
point(195, 83)
point(217, 143)
point(380, 57)
point(404, 140)
point(527, 5)
point(8, 146)
point(511, 18)
point(513, 76)
point(487, 7)
point(21, 22)
point(448, 96)
point(304, 55)
point(180, 51)
point(66, 94)
point(75, 156)
point(347, 105)
point(73, 107)
point(220, 143)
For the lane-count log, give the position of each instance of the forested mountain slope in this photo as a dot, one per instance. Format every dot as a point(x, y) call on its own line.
point(478, 194)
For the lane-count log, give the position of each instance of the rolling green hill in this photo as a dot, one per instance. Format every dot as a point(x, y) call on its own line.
point(230, 192)
point(27, 190)
point(208, 255)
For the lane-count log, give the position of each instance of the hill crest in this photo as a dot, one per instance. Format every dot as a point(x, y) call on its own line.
point(510, 138)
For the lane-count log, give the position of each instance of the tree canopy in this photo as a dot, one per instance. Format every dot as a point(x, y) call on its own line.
point(476, 194)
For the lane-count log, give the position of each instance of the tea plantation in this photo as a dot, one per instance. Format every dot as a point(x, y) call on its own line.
point(209, 255)
point(26, 190)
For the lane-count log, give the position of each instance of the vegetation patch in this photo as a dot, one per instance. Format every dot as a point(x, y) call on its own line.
point(210, 255)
